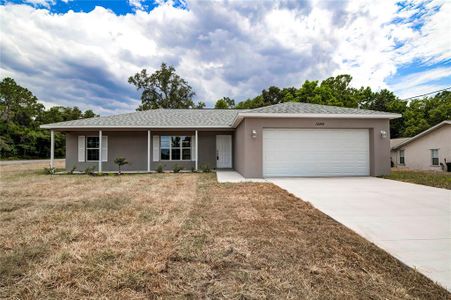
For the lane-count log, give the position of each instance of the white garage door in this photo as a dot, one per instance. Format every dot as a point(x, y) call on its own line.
point(315, 152)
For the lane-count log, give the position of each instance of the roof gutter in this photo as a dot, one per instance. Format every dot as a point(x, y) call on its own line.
point(241, 116)
point(50, 126)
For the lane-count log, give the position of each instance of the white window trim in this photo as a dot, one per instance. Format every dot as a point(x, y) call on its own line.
point(432, 157)
point(181, 148)
point(86, 149)
point(404, 157)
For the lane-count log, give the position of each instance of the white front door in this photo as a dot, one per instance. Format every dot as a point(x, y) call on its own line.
point(223, 151)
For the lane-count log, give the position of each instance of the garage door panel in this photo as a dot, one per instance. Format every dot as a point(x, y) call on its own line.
point(315, 152)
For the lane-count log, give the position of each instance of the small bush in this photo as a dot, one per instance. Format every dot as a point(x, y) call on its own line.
point(160, 169)
point(120, 161)
point(177, 168)
point(193, 169)
point(74, 168)
point(205, 168)
point(50, 171)
point(90, 170)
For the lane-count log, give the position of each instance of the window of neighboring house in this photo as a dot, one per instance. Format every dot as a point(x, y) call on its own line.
point(175, 148)
point(402, 159)
point(92, 148)
point(434, 156)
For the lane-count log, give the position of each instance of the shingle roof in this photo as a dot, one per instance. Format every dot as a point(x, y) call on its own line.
point(308, 108)
point(395, 142)
point(159, 118)
point(211, 118)
point(427, 131)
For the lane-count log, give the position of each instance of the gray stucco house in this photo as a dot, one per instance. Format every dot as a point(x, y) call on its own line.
point(288, 139)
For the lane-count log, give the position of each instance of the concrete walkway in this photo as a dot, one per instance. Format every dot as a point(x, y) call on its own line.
point(412, 222)
point(231, 176)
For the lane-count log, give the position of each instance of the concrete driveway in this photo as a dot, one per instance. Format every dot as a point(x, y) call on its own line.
point(410, 221)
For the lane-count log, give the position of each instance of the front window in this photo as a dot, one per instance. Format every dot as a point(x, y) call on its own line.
point(92, 147)
point(175, 148)
point(401, 157)
point(434, 156)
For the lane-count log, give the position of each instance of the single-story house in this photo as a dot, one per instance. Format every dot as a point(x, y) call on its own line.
point(428, 150)
point(288, 139)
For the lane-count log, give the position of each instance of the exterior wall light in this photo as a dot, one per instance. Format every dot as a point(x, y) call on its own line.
point(383, 134)
point(254, 134)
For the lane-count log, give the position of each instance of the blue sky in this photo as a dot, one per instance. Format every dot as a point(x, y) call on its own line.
point(82, 52)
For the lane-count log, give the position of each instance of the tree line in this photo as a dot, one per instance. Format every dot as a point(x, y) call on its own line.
point(21, 114)
point(165, 89)
point(417, 115)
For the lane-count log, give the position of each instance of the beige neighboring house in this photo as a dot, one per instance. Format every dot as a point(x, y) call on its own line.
point(428, 150)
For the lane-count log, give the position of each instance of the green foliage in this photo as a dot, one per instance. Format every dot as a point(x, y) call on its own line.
point(120, 161)
point(159, 168)
point(50, 171)
point(205, 168)
point(90, 170)
point(225, 103)
point(163, 89)
point(72, 171)
point(177, 168)
point(417, 115)
point(20, 117)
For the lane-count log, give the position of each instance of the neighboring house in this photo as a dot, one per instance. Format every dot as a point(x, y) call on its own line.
point(288, 139)
point(429, 150)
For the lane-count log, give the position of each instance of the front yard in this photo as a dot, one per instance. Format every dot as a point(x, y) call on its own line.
point(434, 179)
point(184, 236)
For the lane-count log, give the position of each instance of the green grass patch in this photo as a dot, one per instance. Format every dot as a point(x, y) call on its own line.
point(434, 179)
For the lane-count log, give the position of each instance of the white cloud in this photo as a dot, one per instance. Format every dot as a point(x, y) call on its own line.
point(222, 48)
point(422, 82)
point(39, 3)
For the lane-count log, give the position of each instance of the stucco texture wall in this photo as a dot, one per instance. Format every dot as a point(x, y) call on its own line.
point(249, 154)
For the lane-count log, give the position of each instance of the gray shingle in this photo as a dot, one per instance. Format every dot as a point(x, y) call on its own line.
point(160, 118)
point(308, 108)
point(195, 118)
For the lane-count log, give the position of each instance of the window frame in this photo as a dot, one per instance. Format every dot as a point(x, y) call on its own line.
point(403, 157)
point(180, 147)
point(91, 148)
point(437, 158)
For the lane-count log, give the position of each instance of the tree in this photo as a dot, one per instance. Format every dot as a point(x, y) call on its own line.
point(120, 161)
point(163, 89)
point(225, 103)
point(20, 117)
point(18, 104)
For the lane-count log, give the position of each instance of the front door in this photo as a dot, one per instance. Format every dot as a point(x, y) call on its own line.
point(223, 151)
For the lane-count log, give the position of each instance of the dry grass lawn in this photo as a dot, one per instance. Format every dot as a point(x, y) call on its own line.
point(182, 236)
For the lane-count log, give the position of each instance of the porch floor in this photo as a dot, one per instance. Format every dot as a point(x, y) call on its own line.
point(231, 176)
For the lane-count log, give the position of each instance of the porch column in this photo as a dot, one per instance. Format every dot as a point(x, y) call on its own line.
point(52, 149)
point(100, 151)
point(197, 150)
point(148, 150)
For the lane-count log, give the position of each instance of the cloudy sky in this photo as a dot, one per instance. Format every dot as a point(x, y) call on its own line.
point(81, 53)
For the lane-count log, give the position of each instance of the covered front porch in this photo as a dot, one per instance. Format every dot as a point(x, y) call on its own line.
point(147, 150)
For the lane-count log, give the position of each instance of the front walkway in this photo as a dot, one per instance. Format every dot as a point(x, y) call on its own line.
point(231, 176)
point(410, 221)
